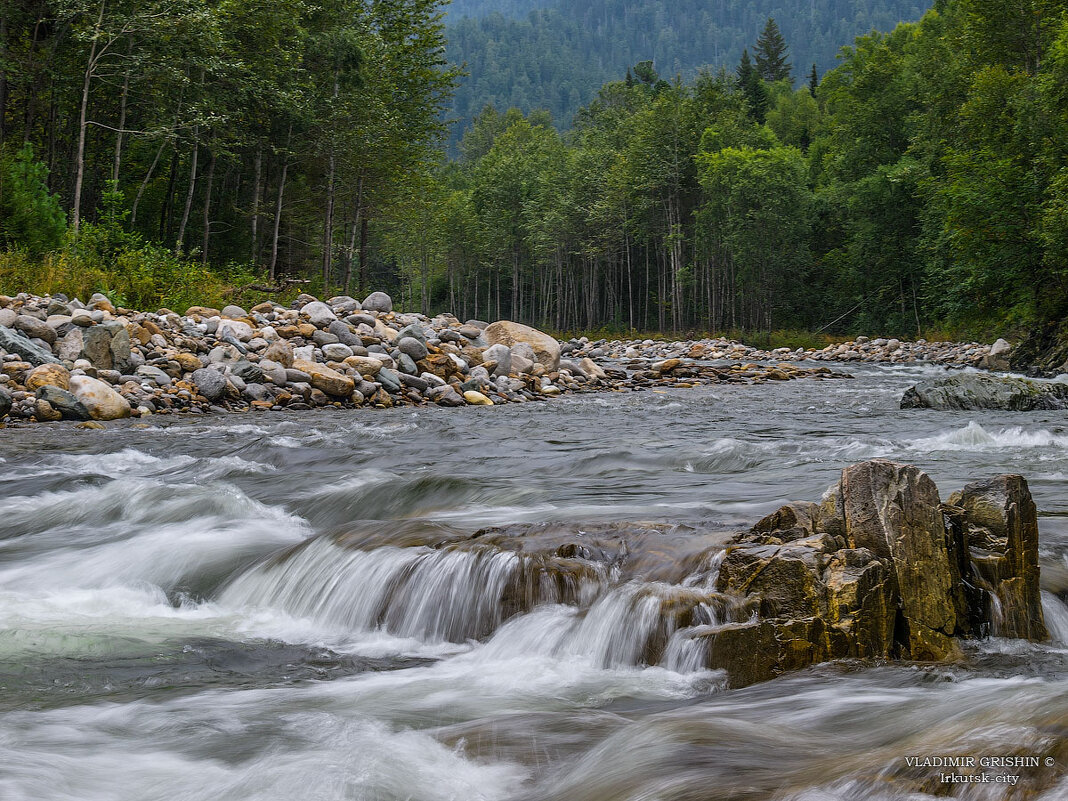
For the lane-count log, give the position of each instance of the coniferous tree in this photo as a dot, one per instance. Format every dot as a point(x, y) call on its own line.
point(752, 87)
point(813, 81)
point(771, 53)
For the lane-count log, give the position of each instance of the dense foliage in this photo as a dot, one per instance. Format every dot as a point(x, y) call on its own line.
point(275, 135)
point(923, 182)
point(556, 54)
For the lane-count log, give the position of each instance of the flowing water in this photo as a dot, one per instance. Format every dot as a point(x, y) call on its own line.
point(294, 607)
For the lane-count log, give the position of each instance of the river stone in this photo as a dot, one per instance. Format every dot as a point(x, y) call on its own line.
point(501, 356)
point(546, 348)
point(364, 365)
point(97, 346)
point(326, 380)
point(5, 402)
point(154, 374)
point(406, 364)
point(35, 329)
point(101, 401)
point(45, 412)
point(15, 342)
point(319, 314)
point(247, 372)
point(1002, 536)
point(8, 317)
point(337, 352)
point(378, 302)
point(234, 329)
point(121, 350)
point(412, 347)
point(210, 383)
point(68, 406)
point(280, 352)
point(55, 375)
point(477, 398)
point(70, 347)
point(972, 391)
point(233, 312)
point(389, 380)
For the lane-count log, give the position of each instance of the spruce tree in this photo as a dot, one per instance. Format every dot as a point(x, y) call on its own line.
point(771, 54)
point(753, 88)
point(813, 81)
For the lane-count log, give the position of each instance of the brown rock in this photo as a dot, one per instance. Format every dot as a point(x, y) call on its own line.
point(325, 379)
point(202, 311)
point(280, 352)
point(187, 361)
point(55, 375)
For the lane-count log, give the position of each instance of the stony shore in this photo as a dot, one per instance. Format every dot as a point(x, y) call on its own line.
point(63, 359)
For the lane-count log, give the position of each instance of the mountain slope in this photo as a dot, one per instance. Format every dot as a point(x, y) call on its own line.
point(557, 56)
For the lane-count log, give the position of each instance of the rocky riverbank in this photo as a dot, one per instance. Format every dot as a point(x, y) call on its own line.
point(67, 360)
point(862, 349)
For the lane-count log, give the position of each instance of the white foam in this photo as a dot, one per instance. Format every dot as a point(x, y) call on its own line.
point(974, 437)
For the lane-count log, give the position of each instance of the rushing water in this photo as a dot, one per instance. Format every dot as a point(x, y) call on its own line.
point(284, 607)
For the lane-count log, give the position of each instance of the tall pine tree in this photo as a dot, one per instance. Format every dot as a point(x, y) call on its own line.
point(756, 94)
point(771, 51)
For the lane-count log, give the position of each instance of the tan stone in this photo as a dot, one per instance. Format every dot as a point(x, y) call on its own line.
point(546, 348)
point(201, 311)
point(325, 379)
point(187, 361)
point(101, 401)
point(55, 375)
point(477, 398)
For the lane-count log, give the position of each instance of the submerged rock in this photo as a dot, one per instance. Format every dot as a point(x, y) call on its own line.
point(970, 391)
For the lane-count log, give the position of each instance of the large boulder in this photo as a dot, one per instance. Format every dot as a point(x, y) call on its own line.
point(14, 342)
point(68, 406)
point(378, 302)
point(971, 391)
point(211, 383)
point(881, 569)
point(55, 375)
point(100, 400)
point(546, 348)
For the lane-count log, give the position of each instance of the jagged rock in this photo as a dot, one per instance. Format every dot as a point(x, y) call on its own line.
point(1002, 538)
point(970, 391)
point(14, 342)
point(880, 569)
point(546, 348)
point(35, 329)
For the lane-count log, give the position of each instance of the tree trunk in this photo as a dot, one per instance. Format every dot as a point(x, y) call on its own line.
point(256, 192)
point(122, 120)
point(144, 185)
point(328, 225)
point(278, 218)
point(83, 110)
point(207, 211)
point(364, 234)
point(179, 243)
point(3, 71)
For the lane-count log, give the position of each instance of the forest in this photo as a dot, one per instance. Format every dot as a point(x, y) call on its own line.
point(170, 151)
point(555, 54)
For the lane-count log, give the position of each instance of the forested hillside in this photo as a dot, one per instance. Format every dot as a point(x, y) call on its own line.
point(556, 56)
point(923, 182)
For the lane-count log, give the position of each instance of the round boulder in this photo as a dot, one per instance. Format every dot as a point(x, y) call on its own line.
point(378, 302)
point(546, 348)
point(101, 401)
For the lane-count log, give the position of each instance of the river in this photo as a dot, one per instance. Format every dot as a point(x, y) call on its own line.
point(165, 635)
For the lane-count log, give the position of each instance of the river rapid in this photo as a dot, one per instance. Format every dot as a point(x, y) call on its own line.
point(242, 607)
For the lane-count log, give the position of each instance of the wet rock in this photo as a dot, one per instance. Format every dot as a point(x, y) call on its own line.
point(546, 348)
point(101, 401)
point(974, 391)
point(1001, 526)
point(998, 357)
point(881, 569)
point(5, 403)
point(477, 398)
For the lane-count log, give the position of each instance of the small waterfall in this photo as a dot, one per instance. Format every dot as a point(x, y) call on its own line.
point(449, 594)
point(1056, 614)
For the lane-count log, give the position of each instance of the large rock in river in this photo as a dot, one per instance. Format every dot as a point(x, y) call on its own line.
point(968, 391)
point(546, 348)
point(881, 569)
point(325, 379)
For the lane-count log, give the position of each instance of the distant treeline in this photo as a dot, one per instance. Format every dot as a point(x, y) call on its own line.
point(555, 54)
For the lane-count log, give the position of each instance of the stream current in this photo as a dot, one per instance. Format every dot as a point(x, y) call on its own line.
point(248, 607)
